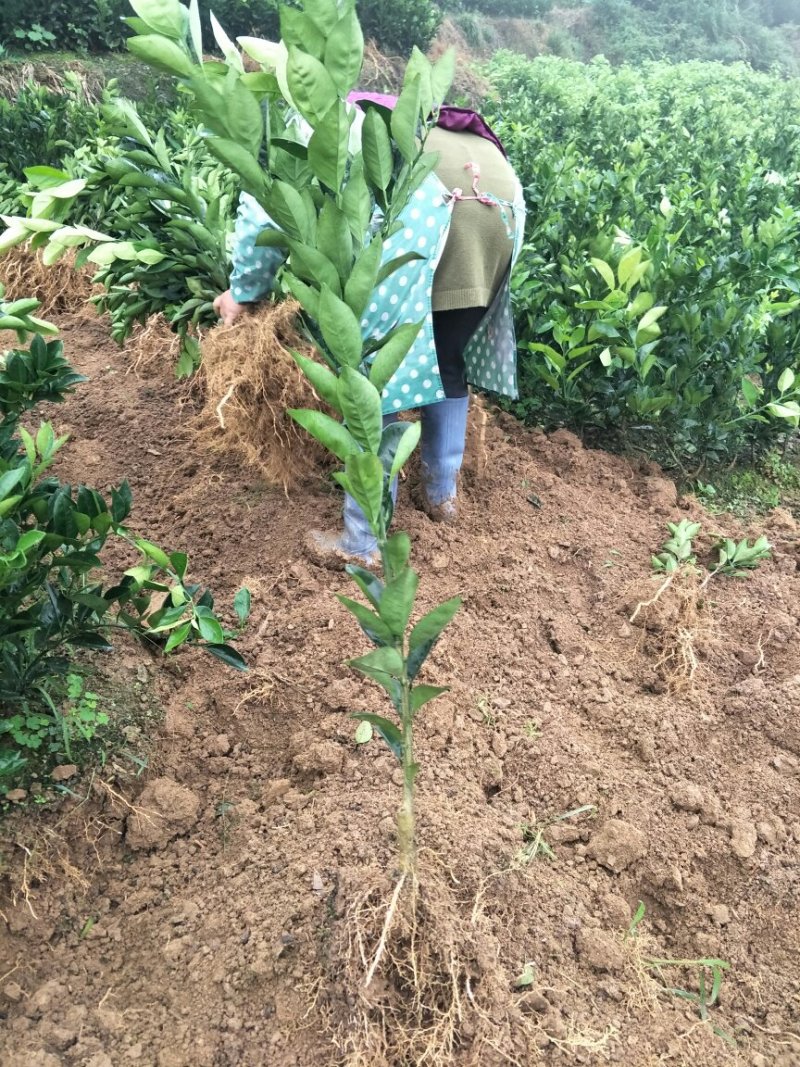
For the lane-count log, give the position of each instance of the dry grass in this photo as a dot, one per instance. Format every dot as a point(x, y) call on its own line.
point(60, 288)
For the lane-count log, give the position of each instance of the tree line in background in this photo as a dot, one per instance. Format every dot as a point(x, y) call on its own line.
point(753, 31)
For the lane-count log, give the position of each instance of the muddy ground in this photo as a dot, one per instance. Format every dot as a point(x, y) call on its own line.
point(194, 916)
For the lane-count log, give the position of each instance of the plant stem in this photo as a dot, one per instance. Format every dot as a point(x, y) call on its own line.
point(405, 817)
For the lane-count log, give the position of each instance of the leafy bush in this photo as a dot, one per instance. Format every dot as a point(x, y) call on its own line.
point(667, 188)
point(91, 25)
point(155, 215)
point(54, 601)
point(40, 126)
point(401, 24)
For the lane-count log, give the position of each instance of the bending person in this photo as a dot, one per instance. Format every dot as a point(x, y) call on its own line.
point(466, 221)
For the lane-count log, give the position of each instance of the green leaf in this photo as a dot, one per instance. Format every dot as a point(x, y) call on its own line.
point(311, 265)
point(356, 200)
point(161, 53)
point(158, 555)
point(786, 380)
point(340, 328)
point(227, 655)
point(360, 404)
point(422, 694)
point(442, 75)
point(241, 605)
point(364, 733)
point(330, 433)
point(328, 147)
point(334, 240)
point(179, 561)
point(380, 661)
point(167, 17)
point(427, 632)
point(396, 551)
point(322, 379)
point(388, 731)
point(750, 392)
point(376, 147)
point(397, 601)
point(406, 118)
point(287, 207)
point(369, 584)
point(195, 30)
point(605, 272)
point(310, 84)
point(365, 475)
point(178, 636)
point(650, 317)
point(344, 52)
point(627, 265)
point(242, 162)
point(789, 409)
point(210, 629)
point(364, 276)
point(372, 625)
point(392, 353)
point(406, 445)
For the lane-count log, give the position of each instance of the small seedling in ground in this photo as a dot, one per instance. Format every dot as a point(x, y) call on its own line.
point(710, 974)
point(527, 977)
point(533, 730)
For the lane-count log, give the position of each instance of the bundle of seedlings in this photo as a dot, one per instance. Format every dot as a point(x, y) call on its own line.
point(678, 617)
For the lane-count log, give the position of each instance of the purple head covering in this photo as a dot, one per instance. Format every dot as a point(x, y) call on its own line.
point(460, 119)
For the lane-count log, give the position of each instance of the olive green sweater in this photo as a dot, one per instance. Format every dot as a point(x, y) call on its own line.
point(478, 249)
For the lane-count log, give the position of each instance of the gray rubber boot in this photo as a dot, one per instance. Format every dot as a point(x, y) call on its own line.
point(444, 432)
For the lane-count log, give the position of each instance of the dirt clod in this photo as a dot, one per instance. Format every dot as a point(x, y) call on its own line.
point(617, 844)
point(164, 809)
point(744, 838)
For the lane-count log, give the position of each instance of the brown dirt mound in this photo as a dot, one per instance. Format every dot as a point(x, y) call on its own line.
point(222, 940)
point(61, 288)
point(250, 379)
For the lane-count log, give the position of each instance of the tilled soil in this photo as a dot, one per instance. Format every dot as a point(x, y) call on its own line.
point(216, 891)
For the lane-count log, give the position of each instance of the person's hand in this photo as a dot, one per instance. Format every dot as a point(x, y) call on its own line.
point(227, 308)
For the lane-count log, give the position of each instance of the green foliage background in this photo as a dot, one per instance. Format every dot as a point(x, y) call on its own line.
point(695, 166)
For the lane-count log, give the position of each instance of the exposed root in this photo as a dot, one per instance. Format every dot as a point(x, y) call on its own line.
point(153, 346)
point(250, 380)
point(60, 288)
point(424, 983)
point(678, 628)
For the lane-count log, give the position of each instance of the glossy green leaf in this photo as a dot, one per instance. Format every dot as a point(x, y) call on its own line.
point(422, 694)
point(166, 17)
point(344, 52)
point(340, 328)
point(392, 353)
point(397, 601)
point(360, 404)
point(365, 475)
point(330, 433)
point(161, 53)
point(376, 148)
point(242, 604)
point(427, 632)
point(364, 276)
point(406, 118)
point(323, 380)
point(372, 625)
point(328, 147)
point(310, 84)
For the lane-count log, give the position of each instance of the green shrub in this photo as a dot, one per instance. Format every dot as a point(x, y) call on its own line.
point(38, 25)
point(690, 169)
point(400, 24)
point(54, 601)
